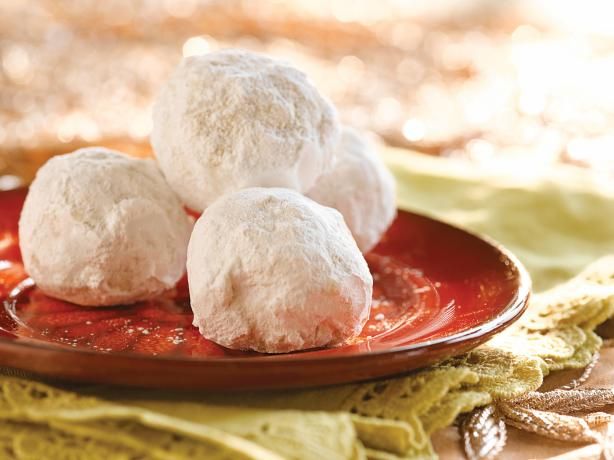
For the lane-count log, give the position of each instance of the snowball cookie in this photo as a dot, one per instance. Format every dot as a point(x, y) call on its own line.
point(101, 228)
point(273, 271)
point(361, 188)
point(233, 119)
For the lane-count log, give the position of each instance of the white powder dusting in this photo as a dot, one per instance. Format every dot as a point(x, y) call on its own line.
point(101, 228)
point(361, 188)
point(273, 271)
point(233, 119)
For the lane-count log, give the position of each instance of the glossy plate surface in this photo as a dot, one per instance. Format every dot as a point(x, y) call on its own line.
point(438, 291)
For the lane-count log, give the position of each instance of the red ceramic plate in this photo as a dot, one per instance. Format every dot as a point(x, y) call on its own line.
point(439, 291)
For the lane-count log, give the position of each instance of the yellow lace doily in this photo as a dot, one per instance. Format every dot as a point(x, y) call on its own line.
point(390, 419)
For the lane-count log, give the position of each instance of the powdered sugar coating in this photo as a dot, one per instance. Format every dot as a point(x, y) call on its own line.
point(233, 119)
point(101, 228)
point(361, 188)
point(273, 271)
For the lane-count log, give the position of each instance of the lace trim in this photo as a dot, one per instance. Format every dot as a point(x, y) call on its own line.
point(389, 419)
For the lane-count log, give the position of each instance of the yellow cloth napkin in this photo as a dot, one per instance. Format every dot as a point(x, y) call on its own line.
point(557, 221)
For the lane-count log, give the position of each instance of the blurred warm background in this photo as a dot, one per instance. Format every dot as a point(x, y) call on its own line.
point(526, 83)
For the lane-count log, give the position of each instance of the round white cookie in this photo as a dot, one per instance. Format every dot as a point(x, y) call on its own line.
point(101, 228)
point(233, 119)
point(361, 188)
point(273, 271)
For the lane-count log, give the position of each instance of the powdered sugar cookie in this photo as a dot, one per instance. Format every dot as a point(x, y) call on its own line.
point(233, 119)
point(101, 228)
point(360, 188)
point(273, 271)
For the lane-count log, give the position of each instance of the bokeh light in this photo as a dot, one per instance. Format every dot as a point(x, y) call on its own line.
point(482, 80)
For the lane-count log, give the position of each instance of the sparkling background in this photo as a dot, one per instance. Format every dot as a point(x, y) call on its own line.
point(528, 83)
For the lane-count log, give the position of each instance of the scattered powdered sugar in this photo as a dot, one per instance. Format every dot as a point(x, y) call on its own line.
point(360, 188)
point(273, 271)
point(234, 119)
point(101, 228)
